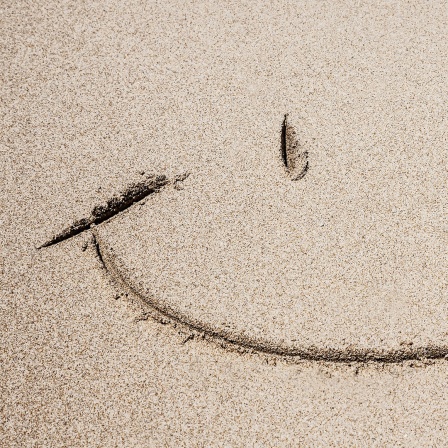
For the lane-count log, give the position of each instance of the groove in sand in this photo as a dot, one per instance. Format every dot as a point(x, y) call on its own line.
point(225, 338)
point(132, 194)
point(294, 157)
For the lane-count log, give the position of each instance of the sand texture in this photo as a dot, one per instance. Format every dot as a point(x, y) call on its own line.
point(223, 224)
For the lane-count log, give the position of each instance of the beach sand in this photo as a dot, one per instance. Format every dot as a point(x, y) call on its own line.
point(244, 303)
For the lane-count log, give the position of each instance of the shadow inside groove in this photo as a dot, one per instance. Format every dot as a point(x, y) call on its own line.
point(283, 142)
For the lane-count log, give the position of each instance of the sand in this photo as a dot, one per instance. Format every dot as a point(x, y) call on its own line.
point(243, 304)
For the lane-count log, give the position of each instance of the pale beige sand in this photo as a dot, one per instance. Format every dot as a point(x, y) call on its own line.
point(351, 259)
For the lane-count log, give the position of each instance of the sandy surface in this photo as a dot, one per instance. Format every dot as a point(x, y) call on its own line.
point(348, 262)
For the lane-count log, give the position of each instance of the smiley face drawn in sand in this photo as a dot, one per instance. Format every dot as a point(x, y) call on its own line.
point(267, 263)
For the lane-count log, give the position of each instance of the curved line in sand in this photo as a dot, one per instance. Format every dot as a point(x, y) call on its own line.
point(353, 354)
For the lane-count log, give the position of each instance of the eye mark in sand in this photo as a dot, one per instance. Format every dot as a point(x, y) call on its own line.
point(131, 195)
point(295, 158)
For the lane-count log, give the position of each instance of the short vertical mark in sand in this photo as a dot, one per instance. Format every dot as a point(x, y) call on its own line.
point(294, 157)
